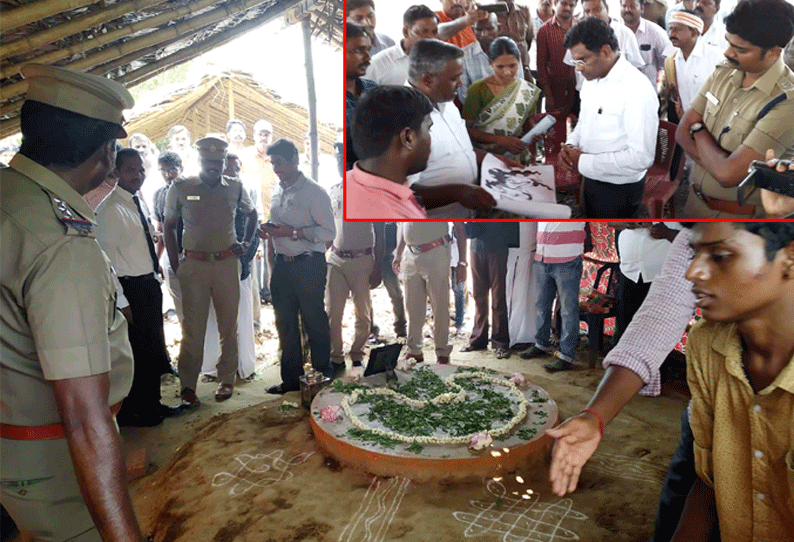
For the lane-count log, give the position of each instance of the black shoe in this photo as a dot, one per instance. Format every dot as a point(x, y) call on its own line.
point(167, 411)
point(557, 366)
point(534, 352)
point(281, 389)
point(133, 419)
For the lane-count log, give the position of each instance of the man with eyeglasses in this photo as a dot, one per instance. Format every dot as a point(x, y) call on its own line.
point(614, 142)
point(743, 109)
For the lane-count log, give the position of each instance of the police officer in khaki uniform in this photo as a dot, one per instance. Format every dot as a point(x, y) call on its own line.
point(66, 362)
point(742, 110)
point(209, 268)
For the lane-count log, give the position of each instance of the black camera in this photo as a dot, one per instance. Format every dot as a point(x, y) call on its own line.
point(763, 176)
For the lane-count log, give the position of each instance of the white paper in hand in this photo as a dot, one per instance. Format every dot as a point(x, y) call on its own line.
point(527, 191)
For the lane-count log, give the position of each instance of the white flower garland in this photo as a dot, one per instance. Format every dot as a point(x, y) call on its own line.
point(444, 398)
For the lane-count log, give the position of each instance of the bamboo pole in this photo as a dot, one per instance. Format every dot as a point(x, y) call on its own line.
point(307, 53)
point(78, 24)
point(113, 51)
point(36, 11)
point(126, 59)
point(52, 57)
point(140, 75)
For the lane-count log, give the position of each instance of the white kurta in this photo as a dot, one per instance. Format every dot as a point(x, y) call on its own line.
point(245, 336)
point(520, 287)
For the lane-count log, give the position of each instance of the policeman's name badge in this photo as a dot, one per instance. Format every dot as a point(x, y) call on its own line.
point(713, 99)
point(193, 198)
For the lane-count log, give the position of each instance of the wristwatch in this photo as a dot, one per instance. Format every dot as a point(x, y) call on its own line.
point(294, 235)
point(696, 127)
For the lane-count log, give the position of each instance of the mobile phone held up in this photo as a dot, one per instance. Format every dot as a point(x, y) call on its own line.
point(496, 7)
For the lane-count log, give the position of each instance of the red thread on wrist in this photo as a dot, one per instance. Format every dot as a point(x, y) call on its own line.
point(600, 420)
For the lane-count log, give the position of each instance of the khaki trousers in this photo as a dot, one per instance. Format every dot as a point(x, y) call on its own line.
point(201, 281)
point(351, 276)
point(427, 274)
point(41, 494)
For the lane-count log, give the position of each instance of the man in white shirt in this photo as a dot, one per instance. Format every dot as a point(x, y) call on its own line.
point(642, 252)
point(435, 71)
point(626, 40)
point(654, 44)
point(124, 233)
point(690, 65)
point(694, 60)
point(713, 25)
point(614, 142)
point(390, 67)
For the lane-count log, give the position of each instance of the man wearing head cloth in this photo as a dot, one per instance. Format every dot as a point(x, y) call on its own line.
point(685, 71)
point(258, 169)
point(208, 267)
point(66, 361)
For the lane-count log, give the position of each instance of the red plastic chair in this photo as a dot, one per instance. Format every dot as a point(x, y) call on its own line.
point(659, 188)
point(552, 142)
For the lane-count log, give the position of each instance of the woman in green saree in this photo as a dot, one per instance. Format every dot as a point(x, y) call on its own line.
point(498, 108)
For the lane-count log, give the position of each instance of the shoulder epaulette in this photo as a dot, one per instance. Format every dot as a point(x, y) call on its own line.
point(73, 222)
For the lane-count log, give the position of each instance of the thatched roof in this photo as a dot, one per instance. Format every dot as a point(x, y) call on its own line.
point(207, 106)
point(133, 40)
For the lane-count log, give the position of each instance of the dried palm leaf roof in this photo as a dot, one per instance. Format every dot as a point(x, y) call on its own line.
point(133, 40)
point(206, 107)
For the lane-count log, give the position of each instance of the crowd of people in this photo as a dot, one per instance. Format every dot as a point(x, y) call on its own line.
point(91, 229)
point(719, 76)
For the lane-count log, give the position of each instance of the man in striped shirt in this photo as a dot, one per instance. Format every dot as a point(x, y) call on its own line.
point(557, 269)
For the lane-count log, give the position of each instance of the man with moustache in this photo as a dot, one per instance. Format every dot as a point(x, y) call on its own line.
point(448, 185)
point(614, 142)
point(654, 44)
point(390, 67)
point(713, 26)
point(235, 133)
point(357, 45)
point(66, 355)
point(555, 77)
point(743, 109)
point(125, 234)
point(685, 71)
point(209, 268)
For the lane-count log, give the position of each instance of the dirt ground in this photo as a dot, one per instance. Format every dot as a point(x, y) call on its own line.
point(248, 470)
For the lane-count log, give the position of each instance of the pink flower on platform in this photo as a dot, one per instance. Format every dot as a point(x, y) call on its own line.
point(331, 413)
point(518, 379)
point(480, 441)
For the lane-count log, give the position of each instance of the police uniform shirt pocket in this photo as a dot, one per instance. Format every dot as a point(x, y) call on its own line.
point(735, 132)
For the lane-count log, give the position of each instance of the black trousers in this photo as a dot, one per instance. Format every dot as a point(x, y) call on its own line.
point(147, 338)
point(607, 200)
point(630, 297)
point(298, 287)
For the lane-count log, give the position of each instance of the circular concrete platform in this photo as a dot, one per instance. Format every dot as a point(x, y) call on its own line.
point(436, 461)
